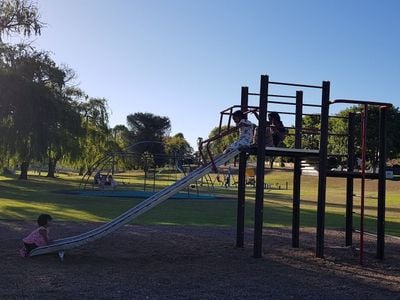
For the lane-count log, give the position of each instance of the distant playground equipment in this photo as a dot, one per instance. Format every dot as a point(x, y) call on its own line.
point(269, 102)
point(100, 174)
point(227, 179)
point(251, 176)
point(251, 180)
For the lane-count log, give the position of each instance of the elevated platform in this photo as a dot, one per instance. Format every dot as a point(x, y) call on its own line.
point(287, 152)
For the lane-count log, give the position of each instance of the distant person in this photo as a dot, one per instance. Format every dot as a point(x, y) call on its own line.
point(97, 178)
point(111, 182)
point(245, 131)
point(228, 178)
point(39, 237)
point(275, 131)
point(103, 181)
point(359, 163)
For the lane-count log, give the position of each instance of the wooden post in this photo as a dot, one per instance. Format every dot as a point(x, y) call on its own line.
point(350, 180)
point(323, 152)
point(381, 184)
point(297, 171)
point(261, 140)
point(242, 180)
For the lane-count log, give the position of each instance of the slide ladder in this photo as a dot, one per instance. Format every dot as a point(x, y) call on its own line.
point(107, 228)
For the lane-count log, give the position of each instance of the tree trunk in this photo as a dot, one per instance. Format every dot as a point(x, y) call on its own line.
point(81, 171)
point(271, 162)
point(52, 168)
point(24, 170)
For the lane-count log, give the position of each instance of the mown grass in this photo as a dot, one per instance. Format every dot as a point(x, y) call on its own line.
point(24, 200)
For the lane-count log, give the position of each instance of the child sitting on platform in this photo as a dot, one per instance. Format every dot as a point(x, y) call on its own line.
point(245, 131)
point(275, 131)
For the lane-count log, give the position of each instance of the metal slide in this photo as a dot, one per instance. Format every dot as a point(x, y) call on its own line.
point(75, 241)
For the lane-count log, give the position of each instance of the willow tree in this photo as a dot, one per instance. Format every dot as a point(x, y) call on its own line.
point(38, 119)
point(65, 130)
point(25, 100)
point(94, 142)
point(19, 17)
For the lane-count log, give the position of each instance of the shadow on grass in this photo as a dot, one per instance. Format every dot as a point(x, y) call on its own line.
point(24, 200)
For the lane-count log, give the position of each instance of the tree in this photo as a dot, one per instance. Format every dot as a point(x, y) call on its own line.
point(94, 144)
point(219, 145)
point(177, 147)
point(27, 79)
point(372, 149)
point(64, 134)
point(19, 17)
point(151, 128)
point(120, 136)
point(26, 133)
point(338, 129)
point(116, 144)
point(38, 114)
point(62, 119)
point(311, 125)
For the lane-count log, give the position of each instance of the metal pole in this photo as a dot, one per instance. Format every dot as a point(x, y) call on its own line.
point(323, 151)
point(261, 139)
point(364, 116)
point(297, 171)
point(350, 180)
point(113, 165)
point(154, 179)
point(145, 178)
point(242, 180)
point(381, 184)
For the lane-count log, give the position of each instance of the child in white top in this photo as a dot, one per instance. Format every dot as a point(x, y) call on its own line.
point(245, 131)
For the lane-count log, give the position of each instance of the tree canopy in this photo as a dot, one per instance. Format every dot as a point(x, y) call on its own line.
point(372, 149)
point(35, 110)
point(338, 127)
point(19, 17)
point(44, 117)
point(149, 127)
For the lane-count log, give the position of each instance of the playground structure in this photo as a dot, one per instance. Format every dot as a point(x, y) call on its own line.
point(267, 99)
point(260, 151)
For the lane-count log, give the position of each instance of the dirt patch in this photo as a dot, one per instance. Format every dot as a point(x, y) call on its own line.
point(158, 262)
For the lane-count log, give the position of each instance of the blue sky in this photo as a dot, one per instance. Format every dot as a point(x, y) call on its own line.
point(187, 59)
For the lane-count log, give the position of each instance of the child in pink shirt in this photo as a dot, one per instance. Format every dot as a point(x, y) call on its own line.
point(39, 237)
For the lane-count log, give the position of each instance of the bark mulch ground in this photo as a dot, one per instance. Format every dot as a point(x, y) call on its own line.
point(174, 262)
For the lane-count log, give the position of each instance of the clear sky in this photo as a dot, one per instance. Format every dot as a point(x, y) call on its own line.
point(187, 59)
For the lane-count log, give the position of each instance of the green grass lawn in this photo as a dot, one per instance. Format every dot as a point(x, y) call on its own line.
point(24, 200)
